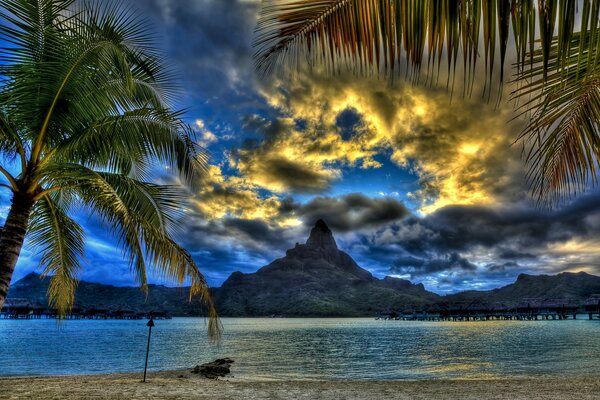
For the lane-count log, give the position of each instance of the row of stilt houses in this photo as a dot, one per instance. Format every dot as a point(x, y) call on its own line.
point(25, 309)
point(527, 309)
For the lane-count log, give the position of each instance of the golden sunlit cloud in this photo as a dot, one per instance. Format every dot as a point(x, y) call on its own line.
point(461, 151)
point(231, 196)
point(575, 246)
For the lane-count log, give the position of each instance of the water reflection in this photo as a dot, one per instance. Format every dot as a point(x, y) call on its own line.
point(308, 348)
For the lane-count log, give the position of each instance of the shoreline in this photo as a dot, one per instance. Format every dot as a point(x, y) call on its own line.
point(181, 384)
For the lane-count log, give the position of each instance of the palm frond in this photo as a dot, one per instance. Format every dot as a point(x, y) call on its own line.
point(106, 48)
point(28, 27)
point(139, 214)
point(376, 35)
point(61, 242)
point(563, 102)
point(11, 144)
point(120, 143)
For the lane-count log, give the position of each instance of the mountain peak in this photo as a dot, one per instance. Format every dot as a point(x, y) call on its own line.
point(29, 278)
point(322, 225)
point(321, 236)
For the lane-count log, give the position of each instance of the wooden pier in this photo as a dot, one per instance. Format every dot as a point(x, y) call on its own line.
point(24, 309)
point(526, 310)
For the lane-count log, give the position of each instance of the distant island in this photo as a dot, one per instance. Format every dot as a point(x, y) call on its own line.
point(314, 279)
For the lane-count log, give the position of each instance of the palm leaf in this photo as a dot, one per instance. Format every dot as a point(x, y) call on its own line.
point(563, 100)
point(120, 143)
point(376, 35)
point(141, 215)
point(11, 144)
point(61, 243)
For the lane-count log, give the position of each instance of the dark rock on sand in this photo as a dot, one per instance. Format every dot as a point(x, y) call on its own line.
point(213, 370)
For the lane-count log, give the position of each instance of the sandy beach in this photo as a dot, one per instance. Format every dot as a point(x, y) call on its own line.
point(182, 385)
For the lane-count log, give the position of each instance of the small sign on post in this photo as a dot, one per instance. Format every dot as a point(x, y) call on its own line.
point(150, 324)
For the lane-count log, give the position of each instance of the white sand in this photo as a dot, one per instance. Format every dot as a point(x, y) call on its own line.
point(169, 385)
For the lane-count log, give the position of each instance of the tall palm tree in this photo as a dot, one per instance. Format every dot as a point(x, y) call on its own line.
point(557, 67)
point(84, 117)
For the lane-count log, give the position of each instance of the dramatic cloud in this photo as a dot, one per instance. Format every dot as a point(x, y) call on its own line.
point(352, 212)
point(209, 43)
point(491, 242)
point(461, 151)
point(298, 155)
point(417, 267)
point(234, 197)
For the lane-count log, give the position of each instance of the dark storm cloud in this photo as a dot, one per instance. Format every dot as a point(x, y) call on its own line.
point(514, 232)
point(270, 129)
point(512, 240)
point(283, 158)
point(251, 235)
point(257, 231)
point(210, 40)
point(512, 254)
point(296, 176)
point(416, 267)
point(224, 246)
point(352, 212)
point(502, 267)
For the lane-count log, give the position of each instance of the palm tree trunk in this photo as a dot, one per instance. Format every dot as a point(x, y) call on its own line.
point(12, 238)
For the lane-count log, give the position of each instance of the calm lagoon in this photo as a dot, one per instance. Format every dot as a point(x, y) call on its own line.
point(274, 348)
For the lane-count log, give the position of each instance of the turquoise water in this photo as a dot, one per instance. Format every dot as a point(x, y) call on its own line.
point(308, 348)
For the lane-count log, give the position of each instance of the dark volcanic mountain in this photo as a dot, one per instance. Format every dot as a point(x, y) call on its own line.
point(315, 279)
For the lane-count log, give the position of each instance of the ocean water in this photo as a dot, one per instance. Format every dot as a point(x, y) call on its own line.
point(308, 348)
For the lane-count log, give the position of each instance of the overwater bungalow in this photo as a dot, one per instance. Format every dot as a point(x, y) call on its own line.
point(26, 309)
point(527, 309)
point(97, 313)
point(433, 312)
point(159, 315)
point(16, 308)
point(21, 309)
point(410, 313)
point(124, 314)
point(557, 308)
point(387, 315)
point(592, 306)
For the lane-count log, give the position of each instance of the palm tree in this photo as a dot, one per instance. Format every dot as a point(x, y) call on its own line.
point(84, 117)
point(557, 68)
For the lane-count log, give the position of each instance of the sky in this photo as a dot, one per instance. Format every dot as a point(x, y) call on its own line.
point(412, 184)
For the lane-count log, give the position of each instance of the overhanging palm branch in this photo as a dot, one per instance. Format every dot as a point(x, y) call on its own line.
point(563, 135)
point(85, 106)
point(385, 35)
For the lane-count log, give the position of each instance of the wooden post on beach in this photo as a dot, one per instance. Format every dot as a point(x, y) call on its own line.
point(150, 324)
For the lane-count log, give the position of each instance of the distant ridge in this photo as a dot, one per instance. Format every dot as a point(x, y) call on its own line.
point(567, 285)
point(313, 279)
point(174, 301)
